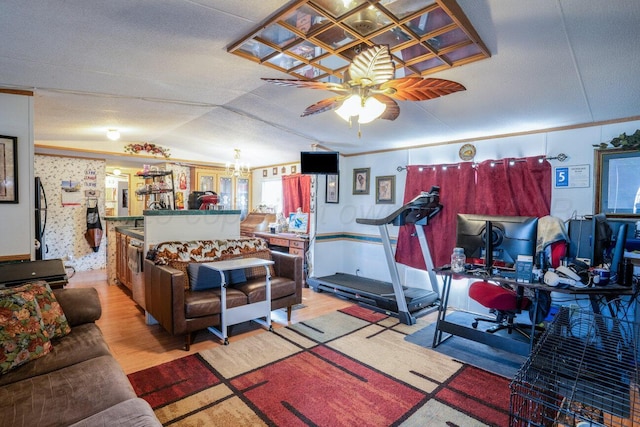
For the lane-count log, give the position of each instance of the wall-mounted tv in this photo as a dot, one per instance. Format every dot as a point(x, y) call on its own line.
point(320, 162)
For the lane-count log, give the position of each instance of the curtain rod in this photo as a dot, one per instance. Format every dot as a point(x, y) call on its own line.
point(560, 157)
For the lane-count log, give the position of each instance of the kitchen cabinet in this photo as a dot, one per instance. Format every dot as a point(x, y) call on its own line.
point(206, 179)
point(122, 269)
point(233, 191)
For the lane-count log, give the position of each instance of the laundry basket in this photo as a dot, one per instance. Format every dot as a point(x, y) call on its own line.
point(584, 368)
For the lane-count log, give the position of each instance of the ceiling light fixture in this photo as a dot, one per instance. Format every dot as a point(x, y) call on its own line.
point(237, 169)
point(113, 134)
point(117, 172)
point(369, 89)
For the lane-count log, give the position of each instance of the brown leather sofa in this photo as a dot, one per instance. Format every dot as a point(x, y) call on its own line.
point(180, 310)
point(78, 383)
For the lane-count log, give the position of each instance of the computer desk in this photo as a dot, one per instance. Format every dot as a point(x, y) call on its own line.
point(510, 343)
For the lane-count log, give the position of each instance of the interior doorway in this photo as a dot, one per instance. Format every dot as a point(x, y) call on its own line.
point(117, 200)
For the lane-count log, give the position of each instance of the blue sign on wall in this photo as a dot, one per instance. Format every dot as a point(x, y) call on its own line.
point(562, 177)
point(572, 176)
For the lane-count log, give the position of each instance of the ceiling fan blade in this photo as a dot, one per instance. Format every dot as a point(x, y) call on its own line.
point(419, 89)
point(392, 111)
point(373, 64)
point(307, 84)
point(322, 106)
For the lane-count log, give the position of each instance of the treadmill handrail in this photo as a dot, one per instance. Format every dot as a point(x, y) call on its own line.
point(425, 201)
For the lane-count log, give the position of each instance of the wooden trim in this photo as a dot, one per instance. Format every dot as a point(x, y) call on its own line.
point(499, 136)
point(20, 257)
point(17, 92)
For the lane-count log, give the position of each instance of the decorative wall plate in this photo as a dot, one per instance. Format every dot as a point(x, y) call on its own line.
point(467, 152)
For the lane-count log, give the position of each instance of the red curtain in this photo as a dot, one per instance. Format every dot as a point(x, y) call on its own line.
point(520, 187)
point(296, 191)
point(457, 190)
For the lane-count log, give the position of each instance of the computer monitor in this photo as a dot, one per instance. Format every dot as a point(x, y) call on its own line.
point(601, 235)
point(618, 254)
point(510, 236)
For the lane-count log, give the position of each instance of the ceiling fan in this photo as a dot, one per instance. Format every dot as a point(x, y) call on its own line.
point(369, 90)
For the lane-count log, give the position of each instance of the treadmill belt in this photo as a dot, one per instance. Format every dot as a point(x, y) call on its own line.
point(363, 284)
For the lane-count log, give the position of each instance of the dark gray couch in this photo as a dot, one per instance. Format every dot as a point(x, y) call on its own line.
point(79, 383)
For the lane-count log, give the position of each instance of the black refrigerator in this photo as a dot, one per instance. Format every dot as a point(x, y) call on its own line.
point(41, 219)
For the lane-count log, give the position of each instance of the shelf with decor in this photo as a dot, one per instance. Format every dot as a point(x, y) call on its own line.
point(158, 190)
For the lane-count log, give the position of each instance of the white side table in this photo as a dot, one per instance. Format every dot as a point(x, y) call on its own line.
point(247, 312)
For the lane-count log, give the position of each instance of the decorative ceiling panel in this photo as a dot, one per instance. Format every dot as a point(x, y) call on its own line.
point(317, 39)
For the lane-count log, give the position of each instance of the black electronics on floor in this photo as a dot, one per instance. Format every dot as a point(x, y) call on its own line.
point(51, 271)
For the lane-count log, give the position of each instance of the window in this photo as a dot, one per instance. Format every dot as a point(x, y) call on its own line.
point(272, 195)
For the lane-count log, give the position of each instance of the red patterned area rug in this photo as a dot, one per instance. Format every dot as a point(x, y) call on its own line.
point(352, 367)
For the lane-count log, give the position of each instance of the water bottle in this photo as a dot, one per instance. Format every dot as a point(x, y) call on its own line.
point(458, 260)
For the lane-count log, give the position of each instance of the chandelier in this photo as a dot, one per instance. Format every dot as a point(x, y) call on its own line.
point(237, 169)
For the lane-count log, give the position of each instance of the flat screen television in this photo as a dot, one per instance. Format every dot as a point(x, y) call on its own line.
point(510, 236)
point(319, 162)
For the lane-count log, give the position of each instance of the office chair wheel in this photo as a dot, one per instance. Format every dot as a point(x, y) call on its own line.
point(474, 324)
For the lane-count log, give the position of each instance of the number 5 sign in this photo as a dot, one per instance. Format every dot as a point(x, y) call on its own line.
point(572, 176)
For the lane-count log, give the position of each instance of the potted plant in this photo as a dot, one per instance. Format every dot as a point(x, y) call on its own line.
point(624, 142)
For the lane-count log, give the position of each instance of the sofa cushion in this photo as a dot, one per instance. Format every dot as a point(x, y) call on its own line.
point(207, 303)
point(65, 396)
point(133, 412)
point(84, 342)
point(80, 305)
point(255, 289)
point(23, 336)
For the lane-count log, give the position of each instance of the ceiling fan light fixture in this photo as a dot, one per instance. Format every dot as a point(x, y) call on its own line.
point(350, 107)
point(371, 110)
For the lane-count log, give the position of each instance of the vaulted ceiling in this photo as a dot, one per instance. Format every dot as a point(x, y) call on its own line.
point(160, 72)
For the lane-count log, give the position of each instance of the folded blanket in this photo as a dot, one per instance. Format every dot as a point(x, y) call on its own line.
point(550, 230)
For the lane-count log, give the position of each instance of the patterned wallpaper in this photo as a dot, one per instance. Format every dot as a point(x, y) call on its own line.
point(66, 224)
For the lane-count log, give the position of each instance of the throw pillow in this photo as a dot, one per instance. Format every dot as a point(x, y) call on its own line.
point(201, 278)
point(23, 336)
point(182, 266)
point(237, 277)
point(53, 317)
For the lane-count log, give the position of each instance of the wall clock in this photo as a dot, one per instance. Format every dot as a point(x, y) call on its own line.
point(467, 152)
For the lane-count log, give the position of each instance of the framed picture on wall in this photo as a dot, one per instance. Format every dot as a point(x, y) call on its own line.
point(361, 181)
point(8, 169)
point(385, 189)
point(333, 190)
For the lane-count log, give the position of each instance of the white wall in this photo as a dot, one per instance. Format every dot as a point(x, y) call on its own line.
point(66, 225)
point(17, 227)
point(348, 255)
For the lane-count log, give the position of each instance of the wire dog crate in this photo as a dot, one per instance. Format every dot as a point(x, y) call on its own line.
point(582, 372)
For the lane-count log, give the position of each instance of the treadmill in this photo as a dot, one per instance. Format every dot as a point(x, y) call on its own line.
point(393, 299)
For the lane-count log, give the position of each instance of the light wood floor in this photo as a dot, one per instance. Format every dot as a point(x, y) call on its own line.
point(137, 345)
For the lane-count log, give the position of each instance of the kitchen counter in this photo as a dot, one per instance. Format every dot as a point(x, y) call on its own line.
point(135, 232)
point(123, 218)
